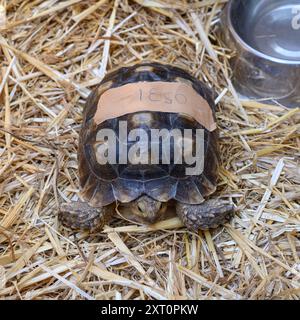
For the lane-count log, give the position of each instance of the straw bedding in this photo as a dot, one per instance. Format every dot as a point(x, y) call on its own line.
point(52, 54)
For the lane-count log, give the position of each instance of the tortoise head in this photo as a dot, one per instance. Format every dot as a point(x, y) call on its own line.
point(147, 210)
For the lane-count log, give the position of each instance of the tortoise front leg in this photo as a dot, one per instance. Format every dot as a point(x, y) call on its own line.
point(81, 216)
point(209, 214)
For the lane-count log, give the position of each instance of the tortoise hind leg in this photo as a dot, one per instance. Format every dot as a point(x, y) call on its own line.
point(204, 216)
point(81, 216)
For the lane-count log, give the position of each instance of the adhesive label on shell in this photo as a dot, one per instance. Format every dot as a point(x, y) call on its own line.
point(156, 96)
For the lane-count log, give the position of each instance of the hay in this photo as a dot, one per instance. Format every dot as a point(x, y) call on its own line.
point(52, 54)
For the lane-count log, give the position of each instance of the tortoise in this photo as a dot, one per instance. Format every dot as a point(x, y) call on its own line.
point(146, 189)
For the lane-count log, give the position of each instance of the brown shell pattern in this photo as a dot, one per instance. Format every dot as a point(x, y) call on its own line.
point(105, 184)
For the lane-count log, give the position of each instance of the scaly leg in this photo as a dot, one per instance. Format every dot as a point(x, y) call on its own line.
point(204, 216)
point(81, 216)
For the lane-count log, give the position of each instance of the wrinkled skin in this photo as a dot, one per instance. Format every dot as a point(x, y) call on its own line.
point(146, 210)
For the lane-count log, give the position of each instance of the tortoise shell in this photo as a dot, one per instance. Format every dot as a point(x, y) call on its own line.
point(103, 184)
